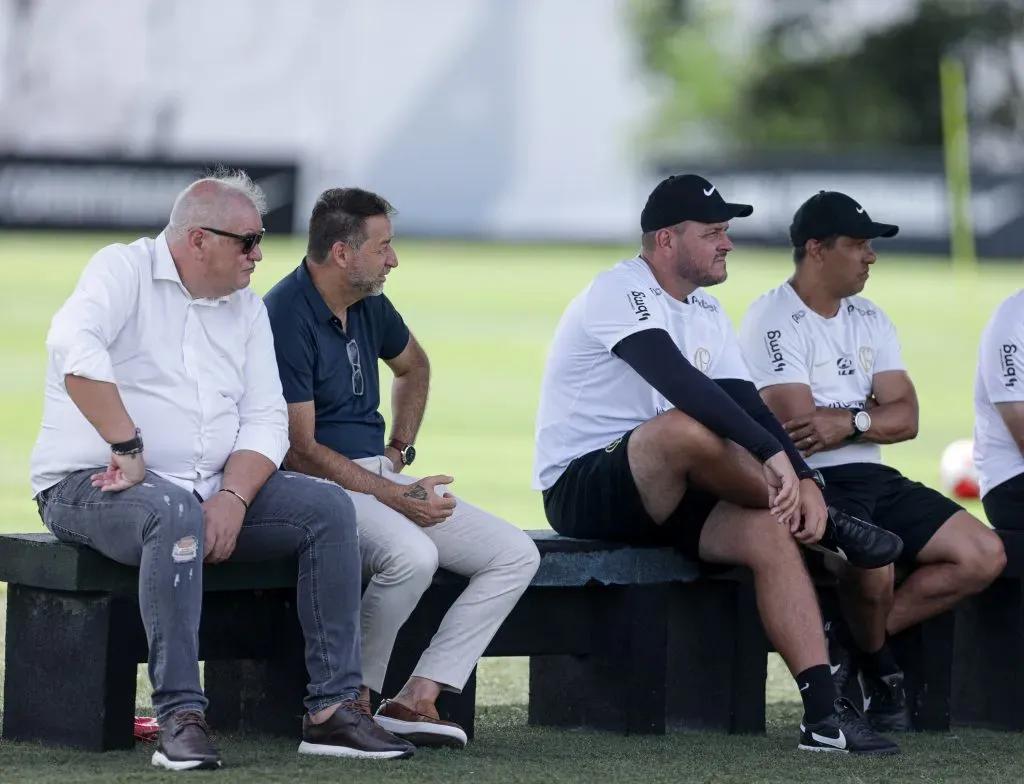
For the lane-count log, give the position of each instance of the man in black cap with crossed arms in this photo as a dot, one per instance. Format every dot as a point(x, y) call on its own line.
point(828, 364)
point(650, 431)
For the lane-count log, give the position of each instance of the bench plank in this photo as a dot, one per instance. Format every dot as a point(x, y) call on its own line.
point(41, 561)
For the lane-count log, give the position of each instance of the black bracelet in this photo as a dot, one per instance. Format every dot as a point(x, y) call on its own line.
point(132, 446)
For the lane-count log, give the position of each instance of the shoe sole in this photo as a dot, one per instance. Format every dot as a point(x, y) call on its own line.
point(327, 750)
point(423, 733)
point(829, 750)
point(160, 761)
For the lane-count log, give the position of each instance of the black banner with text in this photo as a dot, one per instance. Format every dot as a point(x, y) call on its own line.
point(908, 190)
point(78, 193)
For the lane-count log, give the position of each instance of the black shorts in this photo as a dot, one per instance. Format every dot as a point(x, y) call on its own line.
point(883, 496)
point(1004, 504)
point(596, 498)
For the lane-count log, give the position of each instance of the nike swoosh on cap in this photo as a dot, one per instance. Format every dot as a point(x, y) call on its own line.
point(709, 192)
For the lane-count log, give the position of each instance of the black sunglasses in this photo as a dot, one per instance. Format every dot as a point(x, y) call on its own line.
point(249, 241)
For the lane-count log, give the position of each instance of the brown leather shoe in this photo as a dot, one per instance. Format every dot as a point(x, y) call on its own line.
point(183, 743)
point(419, 728)
point(364, 706)
point(351, 733)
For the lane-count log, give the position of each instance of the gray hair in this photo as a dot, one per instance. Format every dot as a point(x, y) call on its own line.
point(208, 198)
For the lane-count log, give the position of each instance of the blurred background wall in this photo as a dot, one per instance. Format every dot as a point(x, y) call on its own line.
point(510, 119)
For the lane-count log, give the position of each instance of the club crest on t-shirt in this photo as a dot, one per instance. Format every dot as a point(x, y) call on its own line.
point(867, 359)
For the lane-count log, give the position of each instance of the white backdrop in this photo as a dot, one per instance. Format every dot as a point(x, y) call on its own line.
point(493, 117)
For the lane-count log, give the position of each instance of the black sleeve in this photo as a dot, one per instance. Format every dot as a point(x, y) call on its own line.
point(657, 359)
point(746, 396)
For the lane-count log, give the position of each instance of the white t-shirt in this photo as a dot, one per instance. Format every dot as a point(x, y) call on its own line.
point(999, 379)
point(785, 342)
point(590, 397)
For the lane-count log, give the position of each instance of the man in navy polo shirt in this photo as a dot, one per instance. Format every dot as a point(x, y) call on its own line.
point(331, 324)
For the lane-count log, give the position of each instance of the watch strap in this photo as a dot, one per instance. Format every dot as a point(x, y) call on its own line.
point(132, 446)
point(856, 434)
point(813, 474)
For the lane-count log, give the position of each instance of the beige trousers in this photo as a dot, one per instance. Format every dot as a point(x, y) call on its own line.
point(399, 560)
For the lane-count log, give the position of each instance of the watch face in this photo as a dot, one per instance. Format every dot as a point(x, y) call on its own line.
point(862, 421)
point(408, 455)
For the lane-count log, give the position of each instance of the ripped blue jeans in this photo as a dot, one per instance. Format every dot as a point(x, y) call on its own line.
point(158, 527)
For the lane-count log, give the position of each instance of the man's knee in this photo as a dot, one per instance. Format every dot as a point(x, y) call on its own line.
point(174, 513)
point(753, 538)
point(772, 540)
point(983, 559)
point(324, 507)
point(523, 558)
point(411, 563)
point(677, 440)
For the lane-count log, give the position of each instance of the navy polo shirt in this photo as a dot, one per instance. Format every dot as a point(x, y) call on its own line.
point(320, 361)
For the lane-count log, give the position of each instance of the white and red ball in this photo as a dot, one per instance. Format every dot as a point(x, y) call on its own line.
point(956, 470)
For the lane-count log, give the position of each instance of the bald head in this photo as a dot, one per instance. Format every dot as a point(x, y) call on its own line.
point(214, 233)
point(217, 200)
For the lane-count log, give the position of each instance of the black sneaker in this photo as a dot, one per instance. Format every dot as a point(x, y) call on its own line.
point(183, 743)
point(885, 703)
point(352, 732)
point(840, 660)
point(845, 732)
point(857, 542)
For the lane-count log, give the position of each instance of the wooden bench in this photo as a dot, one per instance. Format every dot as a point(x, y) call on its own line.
point(637, 640)
point(988, 668)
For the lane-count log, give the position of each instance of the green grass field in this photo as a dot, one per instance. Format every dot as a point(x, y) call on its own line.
point(485, 314)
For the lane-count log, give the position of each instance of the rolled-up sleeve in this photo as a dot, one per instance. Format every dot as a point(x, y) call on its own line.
point(81, 332)
point(262, 413)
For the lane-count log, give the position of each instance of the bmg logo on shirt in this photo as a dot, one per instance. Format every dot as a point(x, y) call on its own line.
point(638, 301)
point(774, 348)
point(1009, 365)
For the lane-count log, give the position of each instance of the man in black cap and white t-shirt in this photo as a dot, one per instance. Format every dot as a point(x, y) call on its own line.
point(650, 431)
point(828, 364)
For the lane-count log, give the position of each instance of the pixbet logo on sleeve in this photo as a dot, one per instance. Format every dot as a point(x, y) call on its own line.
point(774, 348)
point(638, 301)
point(1007, 359)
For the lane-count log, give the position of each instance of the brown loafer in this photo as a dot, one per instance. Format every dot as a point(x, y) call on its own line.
point(418, 728)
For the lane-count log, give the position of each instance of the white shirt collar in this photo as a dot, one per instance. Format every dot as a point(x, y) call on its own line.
point(164, 268)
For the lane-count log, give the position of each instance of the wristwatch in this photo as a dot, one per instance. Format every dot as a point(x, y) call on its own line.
point(132, 446)
point(405, 451)
point(861, 420)
point(813, 474)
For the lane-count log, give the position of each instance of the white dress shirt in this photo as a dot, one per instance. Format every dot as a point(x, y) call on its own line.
point(197, 376)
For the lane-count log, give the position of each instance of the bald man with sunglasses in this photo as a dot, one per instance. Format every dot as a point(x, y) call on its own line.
point(164, 424)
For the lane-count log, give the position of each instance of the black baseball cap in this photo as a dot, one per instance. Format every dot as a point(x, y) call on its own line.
point(830, 212)
point(682, 197)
